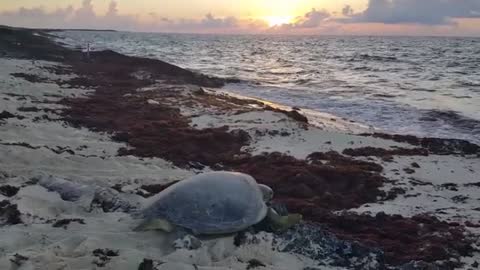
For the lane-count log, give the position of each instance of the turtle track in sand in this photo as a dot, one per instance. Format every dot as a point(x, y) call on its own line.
point(314, 187)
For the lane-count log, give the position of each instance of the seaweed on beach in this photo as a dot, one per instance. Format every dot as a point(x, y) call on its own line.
point(315, 187)
point(434, 146)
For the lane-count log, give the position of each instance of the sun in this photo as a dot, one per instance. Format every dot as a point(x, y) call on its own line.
point(277, 20)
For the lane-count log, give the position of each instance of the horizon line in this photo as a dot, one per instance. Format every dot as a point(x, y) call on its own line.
point(242, 34)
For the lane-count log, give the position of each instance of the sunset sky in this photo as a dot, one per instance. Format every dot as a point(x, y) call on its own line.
point(337, 17)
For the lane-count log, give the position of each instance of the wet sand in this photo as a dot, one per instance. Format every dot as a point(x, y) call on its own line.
point(135, 125)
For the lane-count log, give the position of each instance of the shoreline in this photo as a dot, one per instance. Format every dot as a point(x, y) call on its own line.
point(149, 111)
point(437, 110)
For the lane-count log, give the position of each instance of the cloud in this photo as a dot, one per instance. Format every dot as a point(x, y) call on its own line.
point(211, 21)
point(208, 24)
point(311, 19)
point(69, 17)
point(85, 17)
point(85, 11)
point(112, 9)
point(428, 12)
point(381, 16)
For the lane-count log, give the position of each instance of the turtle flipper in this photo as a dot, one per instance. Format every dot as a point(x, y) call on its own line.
point(280, 223)
point(155, 224)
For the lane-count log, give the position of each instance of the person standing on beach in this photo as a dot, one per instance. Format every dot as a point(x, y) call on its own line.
point(87, 52)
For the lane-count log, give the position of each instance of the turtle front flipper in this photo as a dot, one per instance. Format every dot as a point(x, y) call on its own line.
point(157, 224)
point(280, 223)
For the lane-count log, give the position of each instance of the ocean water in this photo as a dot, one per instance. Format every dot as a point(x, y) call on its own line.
point(427, 86)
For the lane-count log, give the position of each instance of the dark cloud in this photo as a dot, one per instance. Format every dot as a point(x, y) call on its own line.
point(312, 19)
point(347, 10)
point(430, 12)
point(212, 22)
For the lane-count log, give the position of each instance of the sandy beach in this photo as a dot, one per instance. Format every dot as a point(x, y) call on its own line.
point(126, 127)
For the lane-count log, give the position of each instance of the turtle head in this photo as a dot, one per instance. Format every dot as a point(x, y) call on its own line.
point(267, 192)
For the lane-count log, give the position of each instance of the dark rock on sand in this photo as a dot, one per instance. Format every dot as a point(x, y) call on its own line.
point(18, 259)
point(29, 109)
point(381, 152)
point(63, 223)
point(6, 115)
point(450, 186)
point(103, 256)
point(415, 165)
point(146, 264)
point(242, 135)
point(9, 214)
point(473, 185)
point(9, 191)
point(105, 252)
point(30, 77)
point(253, 263)
point(393, 193)
point(460, 199)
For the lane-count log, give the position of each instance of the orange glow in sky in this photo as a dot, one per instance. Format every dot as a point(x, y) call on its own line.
point(190, 9)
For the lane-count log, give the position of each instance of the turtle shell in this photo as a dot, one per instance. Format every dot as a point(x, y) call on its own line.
point(210, 203)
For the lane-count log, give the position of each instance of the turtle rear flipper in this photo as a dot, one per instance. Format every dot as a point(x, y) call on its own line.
point(157, 224)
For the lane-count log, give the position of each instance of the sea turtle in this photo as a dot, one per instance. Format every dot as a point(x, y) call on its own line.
point(213, 203)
